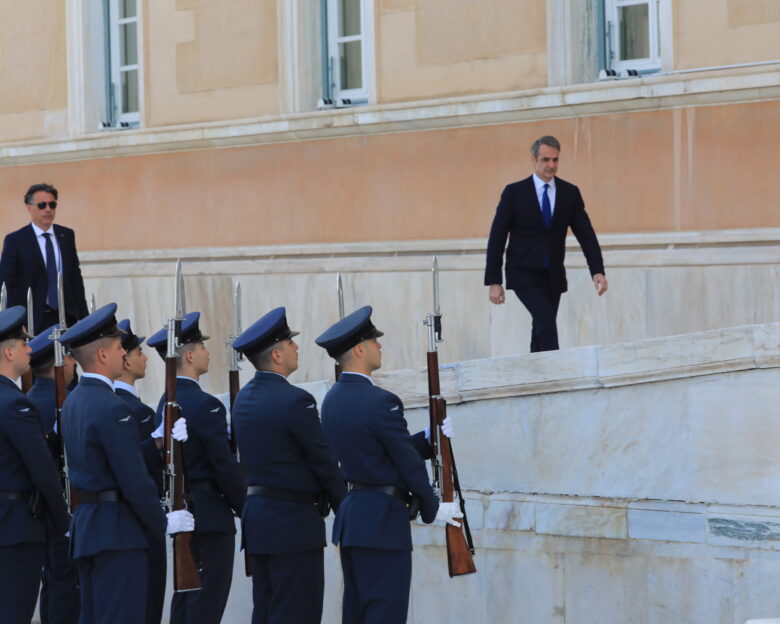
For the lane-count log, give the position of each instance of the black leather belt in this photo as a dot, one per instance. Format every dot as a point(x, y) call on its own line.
point(104, 496)
point(20, 497)
point(388, 490)
point(205, 485)
point(291, 496)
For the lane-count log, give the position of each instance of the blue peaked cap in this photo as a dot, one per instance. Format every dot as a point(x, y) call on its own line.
point(42, 347)
point(12, 321)
point(129, 341)
point(348, 332)
point(264, 333)
point(100, 324)
point(190, 332)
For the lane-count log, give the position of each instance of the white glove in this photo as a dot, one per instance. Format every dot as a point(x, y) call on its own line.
point(446, 428)
point(178, 431)
point(448, 512)
point(180, 521)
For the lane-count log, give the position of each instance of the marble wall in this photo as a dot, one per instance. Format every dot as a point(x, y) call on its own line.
point(634, 483)
point(660, 285)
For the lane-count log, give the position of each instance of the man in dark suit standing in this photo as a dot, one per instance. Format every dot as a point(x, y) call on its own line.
point(536, 214)
point(33, 255)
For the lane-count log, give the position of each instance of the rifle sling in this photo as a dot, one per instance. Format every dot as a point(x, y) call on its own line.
point(456, 483)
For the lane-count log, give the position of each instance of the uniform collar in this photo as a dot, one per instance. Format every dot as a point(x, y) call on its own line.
point(371, 381)
point(102, 378)
point(184, 378)
point(121, 385)
point(269, 375)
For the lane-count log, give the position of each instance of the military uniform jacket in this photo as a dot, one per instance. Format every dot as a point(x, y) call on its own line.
point(282, 445)
point(26, 464)
point(144, 417)
point(365, 425)
point(43, 396)
point(207, 457)
point(104, 452)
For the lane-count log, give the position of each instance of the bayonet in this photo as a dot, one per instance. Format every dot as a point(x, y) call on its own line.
point(340, 293)
point(61, 302)
point(92, 306)
point(3, 297)
point(30, 316)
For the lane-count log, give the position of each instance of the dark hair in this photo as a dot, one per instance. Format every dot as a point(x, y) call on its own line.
point(36, 188)
point(549, 141)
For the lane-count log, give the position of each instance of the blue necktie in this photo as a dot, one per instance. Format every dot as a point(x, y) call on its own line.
point(51, 273)
point(546, 208)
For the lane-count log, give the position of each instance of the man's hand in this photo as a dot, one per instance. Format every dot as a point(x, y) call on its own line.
point(496, 293)
point(181, 521)
point(600, 282)
point(448, 513)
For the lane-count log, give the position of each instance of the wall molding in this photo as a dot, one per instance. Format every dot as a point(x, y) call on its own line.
point(656, 92)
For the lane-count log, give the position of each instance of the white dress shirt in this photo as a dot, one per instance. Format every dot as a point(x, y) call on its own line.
point(539, 184)
point(39, 235)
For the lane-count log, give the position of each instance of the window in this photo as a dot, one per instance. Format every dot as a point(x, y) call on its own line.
point(348, 68)
point(123, 68)
point(632, 35)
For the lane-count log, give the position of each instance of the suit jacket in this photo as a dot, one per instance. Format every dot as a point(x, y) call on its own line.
point(207, 457)
point(519, 216)
point(365, 425)
point(282, 445)
point(103, 450)
point(22, 267)
point(26, 464)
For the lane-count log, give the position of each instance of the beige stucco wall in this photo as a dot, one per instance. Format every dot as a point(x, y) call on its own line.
point(209, 60)
point(33, 82)
point(720, 32)
point(432, 49)
point(680, 169)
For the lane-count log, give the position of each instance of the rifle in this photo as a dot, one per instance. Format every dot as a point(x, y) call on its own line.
point(185, 572)
point(340, 295)
point(27, 380)
point(460, 548)
point(60, 392)
point(233, 388)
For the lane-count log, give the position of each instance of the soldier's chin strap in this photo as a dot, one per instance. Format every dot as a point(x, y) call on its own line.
point(456, 484)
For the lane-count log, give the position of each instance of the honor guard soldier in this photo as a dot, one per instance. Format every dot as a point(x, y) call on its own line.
point(30, 488)
point(118, 505)
point(59, 589)
point(133, 369)
point(386, 477)
point(292, 477)
point(214, 482)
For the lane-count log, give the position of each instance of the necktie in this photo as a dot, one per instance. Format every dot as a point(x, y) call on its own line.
point(546, 208)
point(51, 273)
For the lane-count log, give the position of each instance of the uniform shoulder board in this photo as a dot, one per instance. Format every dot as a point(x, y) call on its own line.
point(125, 419)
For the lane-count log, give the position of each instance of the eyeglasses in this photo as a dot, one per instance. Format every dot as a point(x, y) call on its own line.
point(42, 205)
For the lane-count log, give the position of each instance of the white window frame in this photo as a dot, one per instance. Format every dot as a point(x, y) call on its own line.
point(657, 19)
point(115, 23)
point(366, 93)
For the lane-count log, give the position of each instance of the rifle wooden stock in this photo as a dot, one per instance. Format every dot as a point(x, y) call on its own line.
point(233, 389)
point(27, 381)
point(185, 570)
point(459, 559)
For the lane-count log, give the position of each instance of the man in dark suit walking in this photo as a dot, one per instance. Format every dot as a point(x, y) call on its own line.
point(33, 255)
point(536, 214)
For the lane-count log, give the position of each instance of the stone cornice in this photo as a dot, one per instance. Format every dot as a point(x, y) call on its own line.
point(655, 92)
point(645, 361)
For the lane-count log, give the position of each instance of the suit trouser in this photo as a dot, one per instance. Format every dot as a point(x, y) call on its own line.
point(157, 561)
point(214, 552)
point(113, 587)
point(542, 302)
point(376, 585)
point(20, 576)
point(60, 601)
point(288, 587)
